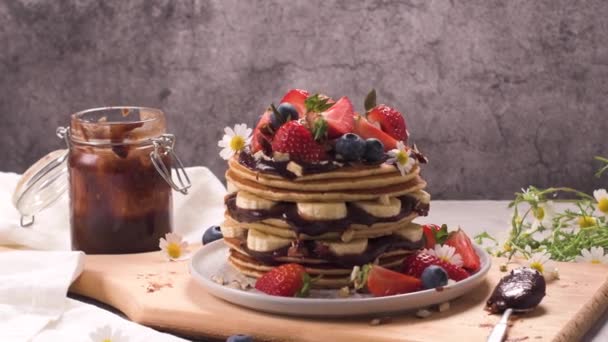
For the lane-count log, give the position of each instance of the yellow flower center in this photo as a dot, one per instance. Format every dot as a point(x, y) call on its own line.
point(602, 205)
point(586, 221)
point(237, 143)
point(507, 247)
point(595, 261)
point(106, 340)
point(537, 266)
point(174, 250)
point(539, 213)
point(402, 157)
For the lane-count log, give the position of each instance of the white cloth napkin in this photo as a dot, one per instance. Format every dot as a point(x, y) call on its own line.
point(34, 284)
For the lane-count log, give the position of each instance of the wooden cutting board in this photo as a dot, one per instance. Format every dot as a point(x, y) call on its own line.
point(161, 294)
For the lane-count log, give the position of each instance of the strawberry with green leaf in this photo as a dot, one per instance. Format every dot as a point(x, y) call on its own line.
point(287, 280)
point(463, 245)
point(298, 141)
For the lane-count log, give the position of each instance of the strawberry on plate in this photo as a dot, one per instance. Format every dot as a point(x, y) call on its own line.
point(339, 118)
point(429, 234)
point(391, 121)
point(297, 140)
point(261, 136)
point(416, 263)
point(367, 130)
point(384, 282)
point(296, 97)
point(288, 280)
point(463, 245)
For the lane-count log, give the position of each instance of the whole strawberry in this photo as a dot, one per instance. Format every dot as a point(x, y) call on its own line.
point(415, 264)
point(390, 120)
point(297, 140)
point(288, 280)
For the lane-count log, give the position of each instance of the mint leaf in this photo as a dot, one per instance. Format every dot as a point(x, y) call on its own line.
point(370, 100)
point(442, 234)
point(319, 130)
point(317, 103)
point(305, 289)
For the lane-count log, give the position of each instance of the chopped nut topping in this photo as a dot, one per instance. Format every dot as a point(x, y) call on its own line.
point(444, 307)
point(423, 313)
point(218, 279)
point(381, 320)
point(294, 168)
point(344, 292)
point(347, 235)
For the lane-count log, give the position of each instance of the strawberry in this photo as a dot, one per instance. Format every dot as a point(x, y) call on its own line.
point(429, 234)
point(384, 282)
point(415, 264)
point(296, 97)
point(367, 130)
point(390, 120)
point(294, 138)
point(261, 136)
point(340, 118)
point(461, 242)
point(287, 280)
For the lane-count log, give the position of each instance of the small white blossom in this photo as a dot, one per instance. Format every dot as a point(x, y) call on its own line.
point(601, 196)
point(595, 256)
point(529, 195)
point(234, 140)
point(543, 215)
point(446, 253)
point(542, 262)
point(402, 158)
point(105, 334)
point(173, 247)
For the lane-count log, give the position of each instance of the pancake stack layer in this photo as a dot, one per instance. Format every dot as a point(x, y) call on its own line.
point(327, 220)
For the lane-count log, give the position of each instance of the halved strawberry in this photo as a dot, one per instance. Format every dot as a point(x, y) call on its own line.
point(296, 97)
point(261, 137)
point(294, 138)
point(391, 121)
point(463, 245)
point(367, 130)
point(415, 264)
point(429, 235)
point(288, 280)
point(384, 282)
point(340, 118)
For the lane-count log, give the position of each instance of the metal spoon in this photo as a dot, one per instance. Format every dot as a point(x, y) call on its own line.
point(499, 330)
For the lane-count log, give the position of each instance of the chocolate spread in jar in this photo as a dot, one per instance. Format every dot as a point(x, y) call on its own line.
point(119, 203)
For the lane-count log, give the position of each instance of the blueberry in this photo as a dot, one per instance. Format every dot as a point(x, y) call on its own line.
point(276, 121)
point(434, 276)
point(211, 234)
point(374, 150)
point(288, 111)
point(239, 338)
point(350, 147)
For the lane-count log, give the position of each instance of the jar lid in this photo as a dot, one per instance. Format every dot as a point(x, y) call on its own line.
point(41, 185)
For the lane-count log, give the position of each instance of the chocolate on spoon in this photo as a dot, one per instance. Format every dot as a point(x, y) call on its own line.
point(521, 290)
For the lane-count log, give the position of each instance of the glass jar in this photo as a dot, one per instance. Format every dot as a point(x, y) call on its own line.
point(119, 165)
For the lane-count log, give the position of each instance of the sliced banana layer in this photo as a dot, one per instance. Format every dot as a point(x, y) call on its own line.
point(247, 200)
point(260, 242)
point(322, 211)
point(412, 232)
point(389, 208)
point(231, 188)
point(356, 246)
point(422, 196)
point(232, 231)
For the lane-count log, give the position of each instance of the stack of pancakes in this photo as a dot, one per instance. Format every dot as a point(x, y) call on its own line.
point(327, 221)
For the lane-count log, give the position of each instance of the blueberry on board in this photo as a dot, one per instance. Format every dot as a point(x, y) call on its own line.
point(350, 147)
point(288, 111)
point(434, 276)
point(211, 234)
point(374, 150)
point(239, 338)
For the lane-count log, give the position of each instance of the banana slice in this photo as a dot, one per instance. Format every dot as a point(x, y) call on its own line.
point(322, 211)
point(379, 209)
point(422, 196)
point(247, 200)
point(412, 232)
point(231, 188)
point(260, 242)
point(232, 231)
point(356, 246)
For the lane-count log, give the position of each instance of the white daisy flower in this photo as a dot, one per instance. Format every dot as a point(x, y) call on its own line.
point(402, 158)
point(543, 215)
point(234, 140)
point(105, 334)
point(446, 253)
point(542, 262)
point(529, 195)
point(173, 247)
point(601, 196)
point(595, 256)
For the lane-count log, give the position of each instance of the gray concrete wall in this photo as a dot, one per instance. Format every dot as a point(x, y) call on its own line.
point(499, 94)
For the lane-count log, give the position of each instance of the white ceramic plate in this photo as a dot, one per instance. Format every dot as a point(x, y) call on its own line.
point(211, 260)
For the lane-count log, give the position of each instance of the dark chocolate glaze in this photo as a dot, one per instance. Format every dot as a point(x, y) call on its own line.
point(317, 250)
point(522, 289)
point(280, 167)
point(289, 212)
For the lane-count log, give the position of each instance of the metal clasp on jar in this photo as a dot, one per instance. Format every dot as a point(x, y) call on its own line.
point(163, 146)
